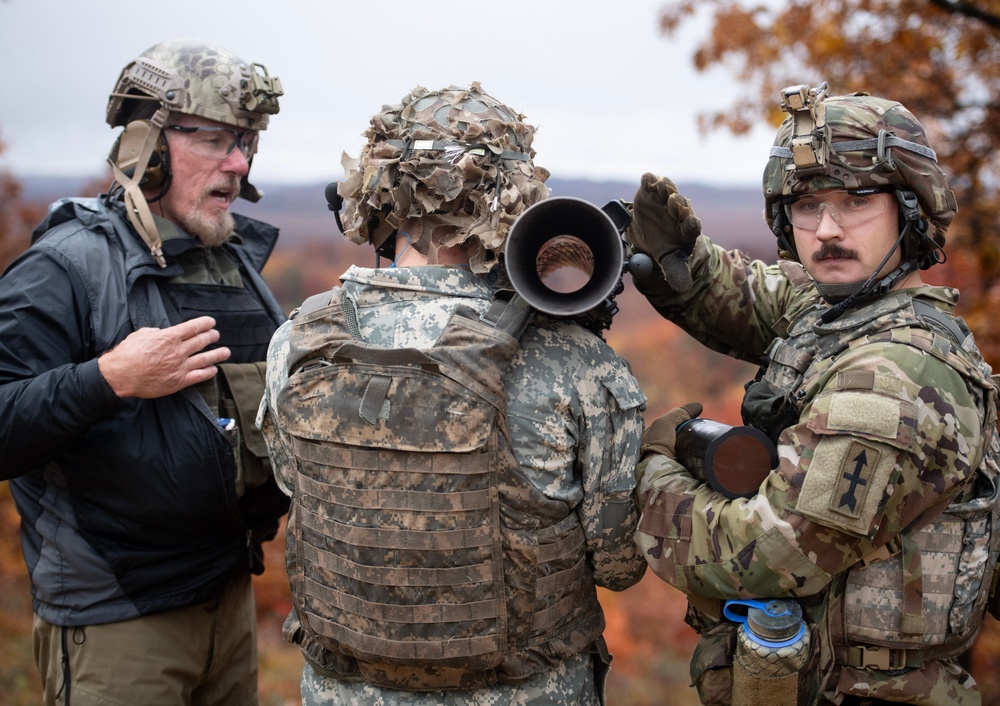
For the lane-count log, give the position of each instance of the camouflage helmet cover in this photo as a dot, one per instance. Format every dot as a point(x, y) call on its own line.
point(456, 158)
point(870, 142)
point(179, 76)
point(192, 77)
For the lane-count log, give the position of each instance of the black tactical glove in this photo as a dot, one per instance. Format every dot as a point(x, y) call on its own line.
point(661, 435)
point(664, 227)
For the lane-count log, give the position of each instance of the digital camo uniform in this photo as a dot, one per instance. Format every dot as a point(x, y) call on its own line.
point(574, 435)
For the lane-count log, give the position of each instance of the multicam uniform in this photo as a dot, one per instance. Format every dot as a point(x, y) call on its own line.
point(883, 428)
point(573, 410)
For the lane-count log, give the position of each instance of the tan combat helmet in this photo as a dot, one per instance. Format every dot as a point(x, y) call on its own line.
point(858, 141)
point(179, 76)
point(456, 158)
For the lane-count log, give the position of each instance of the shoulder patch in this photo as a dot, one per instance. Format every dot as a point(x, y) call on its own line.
point(854, 479)
point(865, 413)
point(844, 485)
point(868, 409)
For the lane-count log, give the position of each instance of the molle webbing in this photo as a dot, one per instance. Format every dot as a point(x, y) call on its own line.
point(452, 595)
point(923, 597)
point(407, 567)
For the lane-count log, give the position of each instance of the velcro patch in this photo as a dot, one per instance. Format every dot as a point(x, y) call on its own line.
point(869, 380)
point(865, 413)
point(845, 482)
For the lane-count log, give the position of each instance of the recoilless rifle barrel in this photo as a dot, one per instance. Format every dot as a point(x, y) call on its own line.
point(566, 257)
point(732, 460)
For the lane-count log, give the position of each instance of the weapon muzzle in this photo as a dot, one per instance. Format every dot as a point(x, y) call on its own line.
point(732, 460)
point(564, 256)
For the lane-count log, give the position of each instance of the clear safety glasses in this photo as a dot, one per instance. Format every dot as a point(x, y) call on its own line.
point(847, 207)
point(219, 142)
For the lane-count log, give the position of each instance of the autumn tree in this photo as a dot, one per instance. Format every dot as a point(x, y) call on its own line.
point(16, 218)
point(940, 58)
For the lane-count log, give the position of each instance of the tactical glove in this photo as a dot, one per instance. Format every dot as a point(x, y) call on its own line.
point(661, 435)
point(664, 227)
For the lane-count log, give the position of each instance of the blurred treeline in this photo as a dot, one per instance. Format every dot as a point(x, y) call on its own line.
point(940, 58)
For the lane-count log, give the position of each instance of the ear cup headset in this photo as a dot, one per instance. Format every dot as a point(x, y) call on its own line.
point(858, 142)
point(185, 77)
point(157, 172)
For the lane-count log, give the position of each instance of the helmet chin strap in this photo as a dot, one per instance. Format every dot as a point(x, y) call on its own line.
point(844, 295)
point(136, 207)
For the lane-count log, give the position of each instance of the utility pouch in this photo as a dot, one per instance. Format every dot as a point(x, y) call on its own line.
point(241, 387)
point(768, 409)
point(712, 664)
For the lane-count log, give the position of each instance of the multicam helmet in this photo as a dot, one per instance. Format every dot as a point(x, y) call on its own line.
point(179, 76)
point(456, 158)
point(853, 142)
point(192, 77)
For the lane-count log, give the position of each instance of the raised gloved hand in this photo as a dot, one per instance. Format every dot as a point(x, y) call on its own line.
point(664, 227)
point(661, 435)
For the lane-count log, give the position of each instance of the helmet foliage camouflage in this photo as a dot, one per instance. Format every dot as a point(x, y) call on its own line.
point(456, 158)
point(195, 78)
point(849, 142)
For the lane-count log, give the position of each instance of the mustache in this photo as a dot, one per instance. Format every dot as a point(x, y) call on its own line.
point(230, 185)
point(834, 251)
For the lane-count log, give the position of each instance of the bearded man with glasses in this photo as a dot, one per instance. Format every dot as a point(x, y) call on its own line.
point(880, 517)
point(133, 335)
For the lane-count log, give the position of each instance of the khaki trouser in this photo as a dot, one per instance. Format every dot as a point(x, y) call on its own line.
point(204, 655)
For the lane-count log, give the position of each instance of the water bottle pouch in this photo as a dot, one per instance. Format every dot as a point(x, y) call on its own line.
point(738, 612)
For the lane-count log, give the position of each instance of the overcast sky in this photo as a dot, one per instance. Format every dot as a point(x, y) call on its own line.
point(611, 96)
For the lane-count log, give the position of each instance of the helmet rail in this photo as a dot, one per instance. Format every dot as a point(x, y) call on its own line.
point(856, 141)
point(188, 77)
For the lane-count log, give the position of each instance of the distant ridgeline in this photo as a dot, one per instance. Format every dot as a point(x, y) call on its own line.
point(731, 216)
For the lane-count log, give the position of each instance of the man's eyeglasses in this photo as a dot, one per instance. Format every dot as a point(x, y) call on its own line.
point(219, 142)
point(848, 208)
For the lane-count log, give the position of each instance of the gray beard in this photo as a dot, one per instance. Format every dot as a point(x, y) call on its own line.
point(211, 234)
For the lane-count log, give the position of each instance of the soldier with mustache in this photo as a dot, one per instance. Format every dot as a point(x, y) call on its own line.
point(879, 519)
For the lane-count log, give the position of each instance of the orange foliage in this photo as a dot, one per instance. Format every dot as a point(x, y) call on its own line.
point(19, 216)
point(296, 272)
point(941, 59)
point(16, 218)
point(19, 683)
point(650, 643)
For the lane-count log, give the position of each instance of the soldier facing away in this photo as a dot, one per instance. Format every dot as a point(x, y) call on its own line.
point(879, 519)
point(143, 504)
point(461, 470)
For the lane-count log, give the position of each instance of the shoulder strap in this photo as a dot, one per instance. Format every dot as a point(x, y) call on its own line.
point(508, 311)
point(937, 320)
point(316, 301)
point(796, 274)
point(510, 314)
